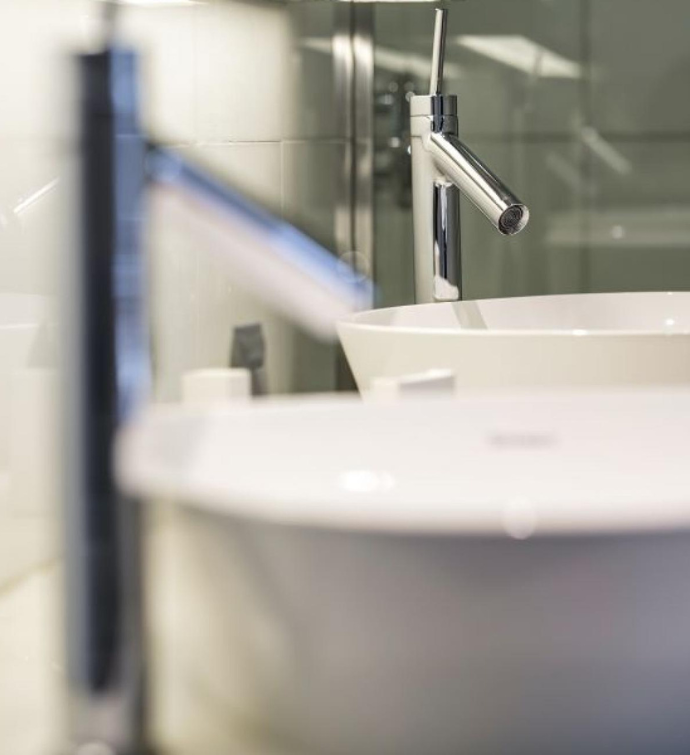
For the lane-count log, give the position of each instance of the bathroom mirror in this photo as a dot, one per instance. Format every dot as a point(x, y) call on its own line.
point(585, 125)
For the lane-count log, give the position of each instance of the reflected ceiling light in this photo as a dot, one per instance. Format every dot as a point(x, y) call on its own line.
point(522, 54)
point(636, 227)
point(605, 151)
point(388, 59)
point(570, 172)
point(519, 518)
point(403, 62)
point(366, 481)
point(24, 204)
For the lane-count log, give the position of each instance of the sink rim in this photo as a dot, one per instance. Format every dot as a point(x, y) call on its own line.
point(442, 509)
point(357, 321)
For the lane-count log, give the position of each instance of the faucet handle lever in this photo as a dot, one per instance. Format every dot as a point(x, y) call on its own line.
point(439, 51)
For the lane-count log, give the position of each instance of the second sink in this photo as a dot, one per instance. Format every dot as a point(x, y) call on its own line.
point(541, 341)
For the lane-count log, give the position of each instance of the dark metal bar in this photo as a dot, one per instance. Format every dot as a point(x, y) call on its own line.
point(108, 373)
point(107, 370)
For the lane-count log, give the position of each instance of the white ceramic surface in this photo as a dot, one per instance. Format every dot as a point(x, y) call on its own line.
point(571, 340)
point(216, 386)
point(486, 576)
point(31, 655)
point(21, 344)
point(34, 458)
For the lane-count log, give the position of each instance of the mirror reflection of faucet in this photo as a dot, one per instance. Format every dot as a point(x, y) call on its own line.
point(442, 167)
point(392, 152)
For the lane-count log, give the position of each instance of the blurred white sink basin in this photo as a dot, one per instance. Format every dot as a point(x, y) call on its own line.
point(574, 340)
point(485, 576)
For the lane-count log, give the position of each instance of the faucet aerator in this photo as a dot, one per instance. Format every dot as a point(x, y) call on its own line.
point(513, 220)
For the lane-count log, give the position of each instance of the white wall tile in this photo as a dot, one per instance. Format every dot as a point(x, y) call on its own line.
point(217, 79)
point(312, 108)
point(32, 684)
point(173, 305)
point(212, 73)
point(226, 305)
point(312, 186)
point(638, 225)
point(197, 304)
point(255, 168)
point(36, 40)
point(36, 195)
point(241, 71)
point(641, 66)
point(166, 38)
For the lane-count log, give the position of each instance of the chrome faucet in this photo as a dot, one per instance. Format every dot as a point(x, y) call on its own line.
point(442, 166)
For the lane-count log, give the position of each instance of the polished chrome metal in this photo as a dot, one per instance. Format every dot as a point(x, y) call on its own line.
point(353, 74)
point(363, 99)
point(343, 102)
point(392, 155)
point(353, 63)
point(440, 158)
point(447, 279)
point(478, 183)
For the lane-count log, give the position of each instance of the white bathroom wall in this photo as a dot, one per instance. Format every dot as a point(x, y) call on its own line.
point(230, 84)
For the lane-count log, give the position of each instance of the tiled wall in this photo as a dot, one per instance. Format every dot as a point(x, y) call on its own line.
point(235, 86)
point(596, 141)
point(231, 83)
point(240, 86)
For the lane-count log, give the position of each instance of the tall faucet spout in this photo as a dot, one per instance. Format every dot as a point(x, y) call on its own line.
point(479, 184)
point(442, 168)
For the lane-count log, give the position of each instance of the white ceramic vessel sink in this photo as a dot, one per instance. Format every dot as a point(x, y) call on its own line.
point(484, 576)
point(572, 340)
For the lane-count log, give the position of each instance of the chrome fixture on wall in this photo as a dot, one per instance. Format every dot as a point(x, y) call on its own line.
point(442, 166)
point(107, 371)
point(392, 158)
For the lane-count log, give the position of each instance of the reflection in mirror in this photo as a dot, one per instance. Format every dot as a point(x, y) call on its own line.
point(557, 100)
